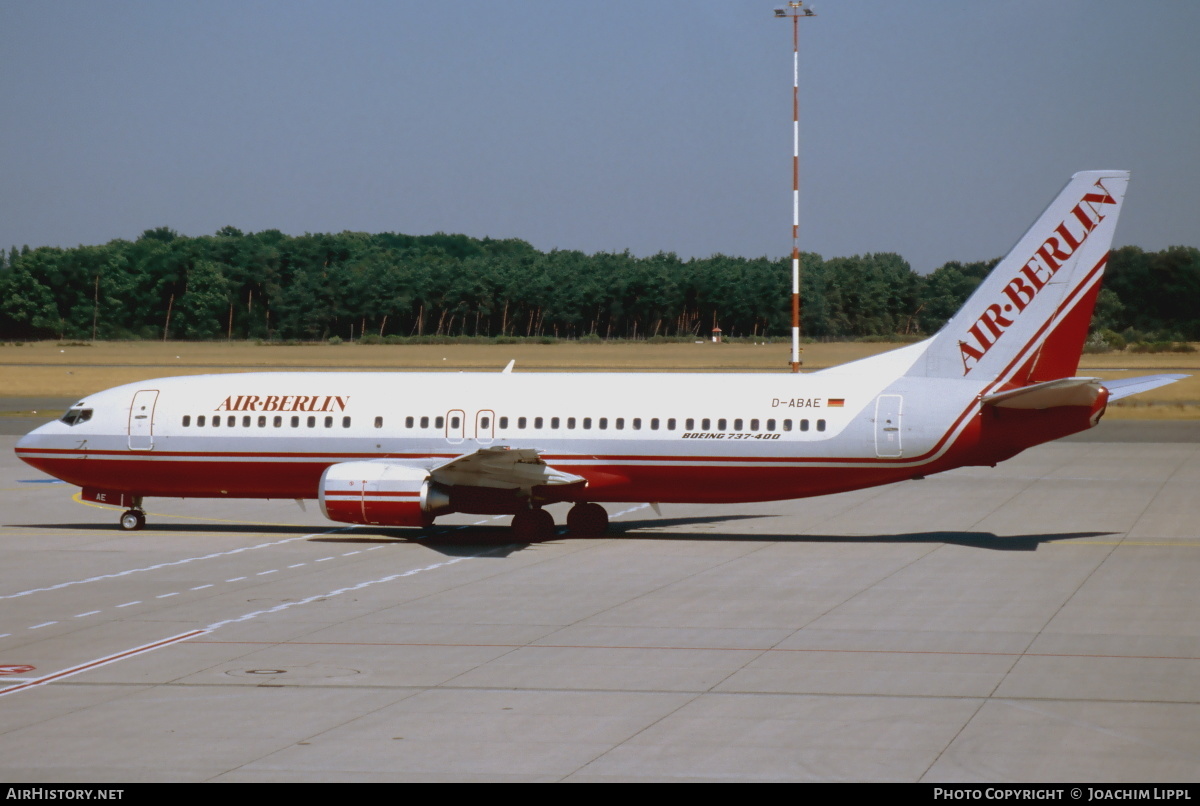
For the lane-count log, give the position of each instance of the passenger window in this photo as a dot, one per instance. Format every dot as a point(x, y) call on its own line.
point(278, 421)
point(754, 425)
point(454, 422)
point(345, 422)
point(200, 421)
point(521, 421)
point(820, 425)
point(554, 422)
point(295, 421)
point(216, 421)
point(246, 421)
point(537, 422)
point(424, 422)
point(770, 425)
point(637, 423)
point(603, 423)
point(439, 422)
point(329, 422)
point(262, 421)
point(671, 424)
point(721, 424)
point(737, 424)
point(408, 422)
point(187, 420)
point(379, 422)
point(705, 424)
point(570, 422)
point(804, 425)
point(689, 424)
point(787, 425)
point(620, 423)
point(503, 423)
point(587, 423)
point(312, 421)
point(653, 423)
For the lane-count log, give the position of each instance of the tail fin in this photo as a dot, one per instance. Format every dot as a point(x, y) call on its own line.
point(1027, 321)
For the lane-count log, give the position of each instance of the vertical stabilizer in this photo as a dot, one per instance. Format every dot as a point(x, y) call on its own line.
point(1027, 321)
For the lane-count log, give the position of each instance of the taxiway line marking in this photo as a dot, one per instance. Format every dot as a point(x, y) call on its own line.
point(98, 662)
point(171, 564)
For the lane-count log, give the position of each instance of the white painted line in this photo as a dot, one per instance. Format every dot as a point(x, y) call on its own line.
point(202, 587)
point(297, 565)
point(171, 564)
point(264, 573)
point(351, 588)
point(93, 664)
point(43, 624)
point(349, 553)
point(166, 595)
point(127, 604)
point(88, 613)
point(323, 559)
point(235, 579)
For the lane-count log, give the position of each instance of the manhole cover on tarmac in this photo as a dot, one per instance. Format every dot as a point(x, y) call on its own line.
point(316, 671)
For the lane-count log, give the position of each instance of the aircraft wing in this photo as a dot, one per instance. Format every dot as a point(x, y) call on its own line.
point(504, 468)
point(1124, 387)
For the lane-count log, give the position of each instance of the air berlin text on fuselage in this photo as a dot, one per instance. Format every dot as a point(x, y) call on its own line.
point(1032, 277)
point(284, 403)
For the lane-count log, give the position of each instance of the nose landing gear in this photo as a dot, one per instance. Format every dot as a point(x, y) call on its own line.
point(132, 520)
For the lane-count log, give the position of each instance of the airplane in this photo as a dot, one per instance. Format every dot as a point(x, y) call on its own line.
point(401, 449)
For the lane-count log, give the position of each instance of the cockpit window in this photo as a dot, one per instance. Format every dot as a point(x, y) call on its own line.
point(76, 416)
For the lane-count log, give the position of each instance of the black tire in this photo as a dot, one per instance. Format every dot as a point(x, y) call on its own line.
point(587, 520)
point(533, 525)
point(133, 520)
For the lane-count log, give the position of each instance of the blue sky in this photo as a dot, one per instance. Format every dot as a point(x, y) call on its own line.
point(937, 129)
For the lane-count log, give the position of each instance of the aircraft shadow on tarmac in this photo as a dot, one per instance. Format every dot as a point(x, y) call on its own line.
point(496, 541)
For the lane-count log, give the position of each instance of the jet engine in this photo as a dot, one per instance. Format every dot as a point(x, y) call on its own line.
point(382, 494)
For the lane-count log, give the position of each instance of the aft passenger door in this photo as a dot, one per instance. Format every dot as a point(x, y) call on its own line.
point(141, 420)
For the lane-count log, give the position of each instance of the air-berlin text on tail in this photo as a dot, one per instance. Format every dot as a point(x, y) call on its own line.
point(1032, 277)
point(284, 403)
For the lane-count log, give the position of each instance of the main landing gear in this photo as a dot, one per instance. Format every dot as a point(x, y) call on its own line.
point(535, 525)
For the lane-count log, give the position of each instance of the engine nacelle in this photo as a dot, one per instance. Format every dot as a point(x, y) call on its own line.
point(381, 494)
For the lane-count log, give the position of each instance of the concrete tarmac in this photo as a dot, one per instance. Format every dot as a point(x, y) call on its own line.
point(1039, 621)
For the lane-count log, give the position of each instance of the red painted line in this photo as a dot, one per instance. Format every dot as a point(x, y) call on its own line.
point(95, 664)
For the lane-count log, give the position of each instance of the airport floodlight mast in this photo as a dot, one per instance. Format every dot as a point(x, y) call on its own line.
point(795, 10)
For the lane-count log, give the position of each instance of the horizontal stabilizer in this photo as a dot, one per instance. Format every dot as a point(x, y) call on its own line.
point(1062, 392)
point(1124, 387)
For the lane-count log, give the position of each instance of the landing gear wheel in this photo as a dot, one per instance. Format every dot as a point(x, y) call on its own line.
point(587, 520)
point(533, 525)
point(132, 520)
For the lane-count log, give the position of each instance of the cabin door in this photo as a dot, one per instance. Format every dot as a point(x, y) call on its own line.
point(141, 420)
point(456, 426)
point(887, 426)
point(485, 426)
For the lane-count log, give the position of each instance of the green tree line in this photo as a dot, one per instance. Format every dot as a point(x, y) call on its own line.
point(272, 286)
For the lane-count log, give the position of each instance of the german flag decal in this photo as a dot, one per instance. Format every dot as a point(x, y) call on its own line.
point(836, 402)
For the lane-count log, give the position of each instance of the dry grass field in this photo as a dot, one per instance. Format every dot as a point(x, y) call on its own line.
point(51, 369)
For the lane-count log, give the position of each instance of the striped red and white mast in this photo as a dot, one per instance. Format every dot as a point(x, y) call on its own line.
point(795, 10)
